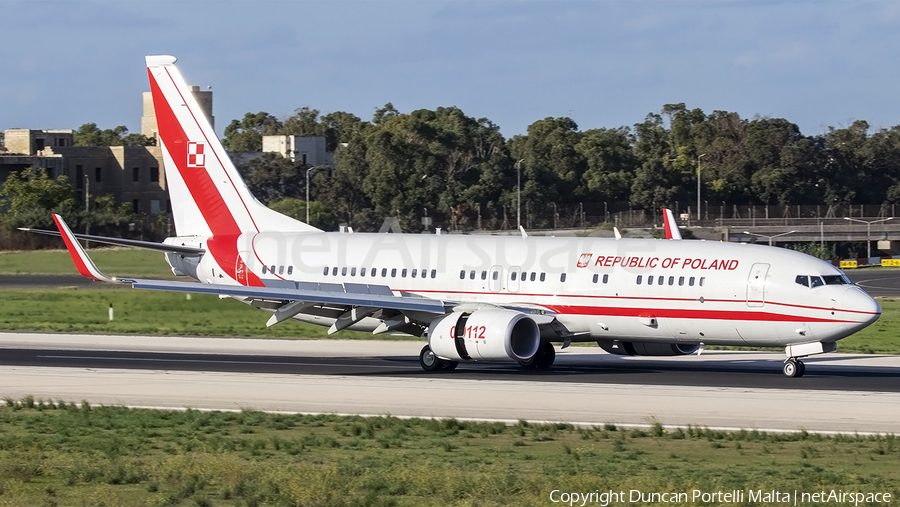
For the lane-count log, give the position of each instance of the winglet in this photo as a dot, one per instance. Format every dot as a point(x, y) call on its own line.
point(672, 231)
point(83, 263)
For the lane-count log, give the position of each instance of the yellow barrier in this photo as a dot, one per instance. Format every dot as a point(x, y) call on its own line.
point(848, 264)
point(890, 262)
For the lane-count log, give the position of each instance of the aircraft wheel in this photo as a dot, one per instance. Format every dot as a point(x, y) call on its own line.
point(802, 366)
point(449, 365)
point(547, 356)
point(428, 361)
point(791, 368)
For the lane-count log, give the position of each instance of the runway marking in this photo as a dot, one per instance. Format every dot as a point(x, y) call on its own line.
point(274, 363)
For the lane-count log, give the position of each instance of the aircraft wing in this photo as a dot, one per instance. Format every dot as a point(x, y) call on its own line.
point(348, 302)
point(147, 245)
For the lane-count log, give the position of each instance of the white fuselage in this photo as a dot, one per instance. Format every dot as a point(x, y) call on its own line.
point(628, 289)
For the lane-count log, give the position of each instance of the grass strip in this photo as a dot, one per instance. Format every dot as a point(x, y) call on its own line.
point(56, 453)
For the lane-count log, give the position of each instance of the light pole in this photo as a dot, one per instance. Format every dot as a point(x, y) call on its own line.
point(313, 168)
point(769, 237)
point(519, 193)
point(868, 232)
point(698, 184)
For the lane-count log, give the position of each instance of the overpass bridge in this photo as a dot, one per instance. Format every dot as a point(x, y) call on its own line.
point(798, 230)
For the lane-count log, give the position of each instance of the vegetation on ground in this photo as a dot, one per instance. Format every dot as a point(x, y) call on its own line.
point(113, 261)
point(55, 453)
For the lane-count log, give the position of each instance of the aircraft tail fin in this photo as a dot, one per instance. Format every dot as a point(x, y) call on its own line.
point(672, 231)
point(207, 194)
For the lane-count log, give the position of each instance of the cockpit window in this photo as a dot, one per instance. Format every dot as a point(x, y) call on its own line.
point(802, 280)
point(816, 281)
point(834, 280)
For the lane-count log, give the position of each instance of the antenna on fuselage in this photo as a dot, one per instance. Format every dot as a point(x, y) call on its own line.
point(618, 234)
point(522, 230)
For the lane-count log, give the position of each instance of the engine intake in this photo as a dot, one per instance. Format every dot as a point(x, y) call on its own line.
point(484, 335)
point(647, 348)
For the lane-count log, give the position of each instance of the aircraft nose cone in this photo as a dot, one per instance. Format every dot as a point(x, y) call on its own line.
point(860, 308)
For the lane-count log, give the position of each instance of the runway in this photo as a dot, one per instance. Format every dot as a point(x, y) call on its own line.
point(843, 393)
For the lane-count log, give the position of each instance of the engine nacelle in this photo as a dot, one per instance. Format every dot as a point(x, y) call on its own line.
point(484, 335)
point(647, 348)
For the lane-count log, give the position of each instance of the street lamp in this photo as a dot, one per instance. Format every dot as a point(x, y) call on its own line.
point(868, 232)
point(698, 185)
point(769, 237)
point(519, 194)
point(313, 168)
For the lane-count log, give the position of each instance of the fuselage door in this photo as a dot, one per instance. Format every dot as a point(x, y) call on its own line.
point(756, 285)
point(495, 279)
point(512, 281)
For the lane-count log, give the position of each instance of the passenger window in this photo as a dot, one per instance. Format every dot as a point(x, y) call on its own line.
point(272, 269)
point(543, 276)
point(291, 269)
point(524, 275)
point(462, 275)
point(639, 279)
point(264, 269)
point(660, 280)
point(334, 271)
point(362, 271)
point(702, 280)
point(403, 273)
point(680, 280)
point(484, 275)
point(533, 275)
point(393, 272)
point(671, 280)
point(433, 273)
point(472, 275)
point(326, 271)
point(816, 281)
point(352, 271)
point(415, 272)
point(512, 275)
point(605, 278)
point(424, 274)
point(691, 281)
point(344, 271)
point(280, 270)
point(373, 272)
point(649, 279)
point(562, 277)
point(802, 280)
point(495, 275)
point(383, 272)
point(596, 277)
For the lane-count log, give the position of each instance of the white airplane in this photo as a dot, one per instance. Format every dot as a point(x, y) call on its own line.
point(479, 298)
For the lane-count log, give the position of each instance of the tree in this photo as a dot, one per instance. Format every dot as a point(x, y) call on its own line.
point(610, 164)
point(90, 135)
point(272, 176)
point(246, 135)
point(29, 198)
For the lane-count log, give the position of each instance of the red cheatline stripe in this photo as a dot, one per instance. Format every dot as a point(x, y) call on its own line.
point(635, 298)
point(678, 313)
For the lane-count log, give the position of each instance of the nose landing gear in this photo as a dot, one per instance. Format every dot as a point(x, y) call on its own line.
point(793, 367)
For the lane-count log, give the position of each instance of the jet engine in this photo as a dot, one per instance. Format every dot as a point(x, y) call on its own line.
point(647, 348)
point(484, 335)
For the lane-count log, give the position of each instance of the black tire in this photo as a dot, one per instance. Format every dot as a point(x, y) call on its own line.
point(802, 367)
point(428, 361)
point(790, 368)
point(547, 356)
point(449, 365)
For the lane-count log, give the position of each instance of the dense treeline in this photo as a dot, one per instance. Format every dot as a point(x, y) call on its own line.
point(462, 172)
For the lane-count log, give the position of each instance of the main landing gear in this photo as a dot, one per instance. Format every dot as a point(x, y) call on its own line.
point(793, 367)
point(430, 362)
point(542, 360)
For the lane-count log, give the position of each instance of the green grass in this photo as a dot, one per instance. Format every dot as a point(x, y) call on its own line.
point(63, 454)
point(112, 261)
point(85, 310)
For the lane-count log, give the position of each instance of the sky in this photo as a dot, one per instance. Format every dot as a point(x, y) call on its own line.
point(605, 64)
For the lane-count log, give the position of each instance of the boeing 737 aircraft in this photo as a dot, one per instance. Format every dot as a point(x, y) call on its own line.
point(479, 298)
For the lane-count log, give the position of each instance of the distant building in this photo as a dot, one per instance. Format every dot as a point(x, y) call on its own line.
point(306, 150)
point(148, 120)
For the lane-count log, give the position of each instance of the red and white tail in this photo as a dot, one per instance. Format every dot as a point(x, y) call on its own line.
point(672, 231)
point(207, 194)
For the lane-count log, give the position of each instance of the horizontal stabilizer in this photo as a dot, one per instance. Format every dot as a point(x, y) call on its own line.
point(134, 243)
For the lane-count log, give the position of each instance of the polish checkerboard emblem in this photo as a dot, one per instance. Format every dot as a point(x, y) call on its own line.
point(584, 260)
point(196, 156)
